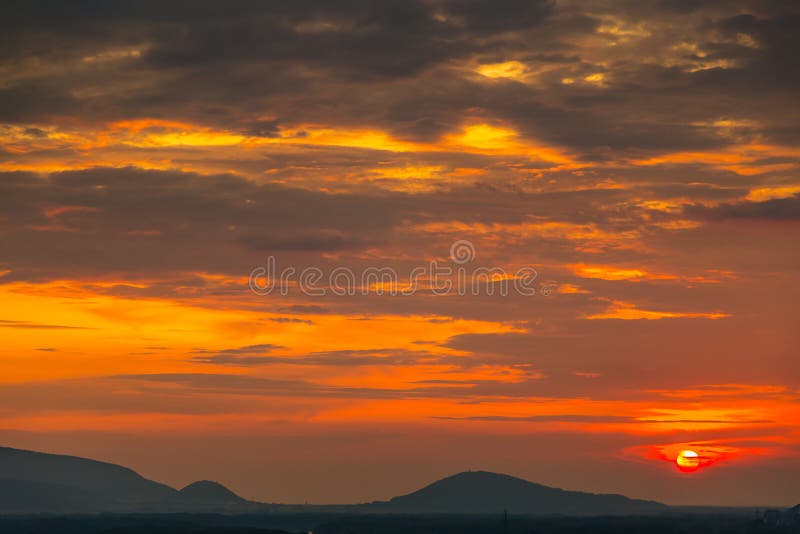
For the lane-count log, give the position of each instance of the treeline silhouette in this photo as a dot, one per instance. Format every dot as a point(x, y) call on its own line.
point(397, 524)
point(690, 524)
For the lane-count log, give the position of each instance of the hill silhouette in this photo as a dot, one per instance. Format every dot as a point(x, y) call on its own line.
point(39, 482)
point(34, 482)
point(481, 492)
point(209, 492)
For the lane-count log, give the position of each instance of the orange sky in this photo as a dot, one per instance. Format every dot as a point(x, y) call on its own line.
point(648, 180)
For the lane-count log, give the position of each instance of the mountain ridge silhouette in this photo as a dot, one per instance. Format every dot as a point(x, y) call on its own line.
point(32, 482)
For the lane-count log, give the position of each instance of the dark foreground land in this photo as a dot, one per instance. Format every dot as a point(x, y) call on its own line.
point(386, 524)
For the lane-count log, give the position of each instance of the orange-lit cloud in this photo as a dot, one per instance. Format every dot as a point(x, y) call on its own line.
point(508, 69)
point(629, 311)
point(742, 159)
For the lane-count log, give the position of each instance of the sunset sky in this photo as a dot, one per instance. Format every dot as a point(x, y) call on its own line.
point(641, 156)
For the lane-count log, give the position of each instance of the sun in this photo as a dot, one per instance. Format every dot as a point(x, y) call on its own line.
point(688, 461)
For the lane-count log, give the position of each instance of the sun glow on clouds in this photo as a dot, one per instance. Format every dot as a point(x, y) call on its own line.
point(82, 322)
point(617, 274)
point(744, 159)
point(761, 194)
point(609, 273)
point(629, 312)
point(689, 457)
point(163, 144)
point(493, 139)
point(150, 133)
point(510, 69)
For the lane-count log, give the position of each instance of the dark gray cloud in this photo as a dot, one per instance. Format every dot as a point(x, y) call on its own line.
point(777, 209)
point(485, 17)
point(222, 383)
point(388, 64)
point(322, 242)
point(382, 38)
point(128, 221)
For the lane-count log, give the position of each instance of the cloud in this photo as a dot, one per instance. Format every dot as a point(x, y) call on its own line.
point(5, 323)
point(340, 358)
point(294, 60)
point(322, 242)
point(223, 384)
point(93, 220)
point(260, 348)
point(600, 419)
point(224, 212)
point(778, 209)
point(550, 418)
